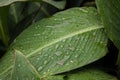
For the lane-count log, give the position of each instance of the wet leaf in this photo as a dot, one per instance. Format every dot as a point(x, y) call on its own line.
point(23, 69)
point(85, 74)
point(109, 10)
point(66, 41)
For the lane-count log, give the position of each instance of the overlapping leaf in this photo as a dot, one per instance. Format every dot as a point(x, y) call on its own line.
point(85, 74)
point(4, 36)
point(109, 10)
point(66, 41)
point(57, 4)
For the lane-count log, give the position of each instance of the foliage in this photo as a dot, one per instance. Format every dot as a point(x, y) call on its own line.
point(45, 40)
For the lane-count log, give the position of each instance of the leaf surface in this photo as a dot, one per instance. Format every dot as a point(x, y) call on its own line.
point(109, 10)
point(23, 69)
point(4, 36)
point(66, 41)
point(57, 4)
point(85, 74)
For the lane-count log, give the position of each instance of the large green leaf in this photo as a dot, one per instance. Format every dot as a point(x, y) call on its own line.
point(109, 10)
point(57, 4)
point(66, 41)
point(85, 74)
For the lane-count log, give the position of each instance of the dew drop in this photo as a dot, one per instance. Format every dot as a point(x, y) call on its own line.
point(63, 40)
point(61, 46)
point(48, 70)
point(60, 62)
point(36, 34)
point(71, 61)
point(71, 48)
point(63, 18)
point(94, 34)
point(58, 53)
point(19, 65)
point(56, 46)
point(76, 56)
point(83, 10)
point(45, 62)
point(33, 78)
point(40, 68)
point(49, 26)
point(38, 58)
point(14, 41)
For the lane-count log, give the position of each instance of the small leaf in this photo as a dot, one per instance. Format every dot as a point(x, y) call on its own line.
point(85, 74)
point(109, 10)
point(4, 34)
point(22, 69)
point(57, 4)
point(118, 59)
point(8, 2)
point(66, 41)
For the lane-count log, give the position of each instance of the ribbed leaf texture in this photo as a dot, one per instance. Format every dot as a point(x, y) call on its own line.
point(109, 10)
point(66, 41)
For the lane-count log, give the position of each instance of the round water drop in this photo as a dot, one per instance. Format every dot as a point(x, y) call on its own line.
point(45, 62)
point(83, 10)
point(19, 65)
point(58, 53)
point(40, 68)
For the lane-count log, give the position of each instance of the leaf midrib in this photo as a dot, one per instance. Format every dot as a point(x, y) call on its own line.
point(59, 39)
point(65, 37)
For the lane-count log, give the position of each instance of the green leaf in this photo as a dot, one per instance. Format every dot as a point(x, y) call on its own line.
point(109, 10)
point(8, 2)
point(57, 4)
point(4, 36)
point(85, 74)
point(91, 74)
point(118, 59)
point(23, 69)
point(66, 41)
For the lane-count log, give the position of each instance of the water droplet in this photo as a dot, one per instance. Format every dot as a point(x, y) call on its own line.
point(14, 41)
point(44, 72)
point(61, 46)
point(40, 68)
point(58, 53)
point(19, 65)
point(56, 46)
point(55, 19)
point(63, 40)
point(61, 62)
point(38, 58)
point(71, 48)
point(63, 18)
point(76, 56)
point(94, 34)
point(66, 57)
point(48, 70)
point(83, 10)
point(71, 61)
point(33, 78)
point(67, 64)
point(45, 62)
point(49, 26)
point(36, 34)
